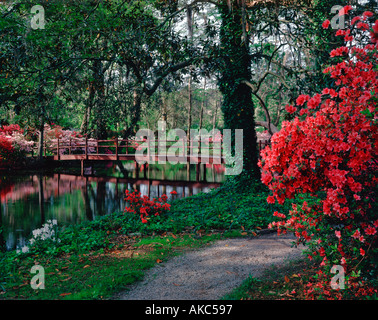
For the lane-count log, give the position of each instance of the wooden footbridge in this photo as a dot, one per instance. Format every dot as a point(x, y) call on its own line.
point(154, 151)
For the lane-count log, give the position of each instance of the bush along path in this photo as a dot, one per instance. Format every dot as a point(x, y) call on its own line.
point(329, 152)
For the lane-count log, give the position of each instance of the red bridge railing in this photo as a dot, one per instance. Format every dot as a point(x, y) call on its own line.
point(85, 146)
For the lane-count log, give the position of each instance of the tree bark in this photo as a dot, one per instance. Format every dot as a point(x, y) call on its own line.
point(215, 115)
point(88, 110)
point(99, 105)
point(237, 107)
point(41, 99)
point(41, 138)
point(189, 107)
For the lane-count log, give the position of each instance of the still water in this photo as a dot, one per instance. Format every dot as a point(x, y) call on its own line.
point(30, 200)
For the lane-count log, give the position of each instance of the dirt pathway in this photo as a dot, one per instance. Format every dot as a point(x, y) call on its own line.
point(212, 272)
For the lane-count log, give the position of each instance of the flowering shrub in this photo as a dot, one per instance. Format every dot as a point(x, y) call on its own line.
point(67, 138)
point(330, 158)
point(145, 207)
point(42, 236)
point(13, 145)
point(21, 144)
point(6, 151)
point(17, 138)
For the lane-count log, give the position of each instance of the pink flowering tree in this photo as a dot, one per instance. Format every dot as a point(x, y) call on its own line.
point(328, 157)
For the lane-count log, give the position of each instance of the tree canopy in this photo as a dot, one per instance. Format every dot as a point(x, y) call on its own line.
point(108, 67)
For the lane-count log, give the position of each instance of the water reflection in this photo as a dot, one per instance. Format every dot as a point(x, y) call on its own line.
point(27, 202)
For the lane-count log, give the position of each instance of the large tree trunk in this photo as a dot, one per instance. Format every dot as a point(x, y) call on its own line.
point(190, 103)
point(237, 107)
point(42, 101)
point(88, 110)
point(99, 87)
point(215, 115)
point(41, 138)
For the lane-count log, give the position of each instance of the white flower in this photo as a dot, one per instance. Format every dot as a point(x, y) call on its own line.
point(25, 249)
point(36, 232)
point(45, 232)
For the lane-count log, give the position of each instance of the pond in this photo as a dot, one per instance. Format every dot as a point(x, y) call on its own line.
point(30, 200)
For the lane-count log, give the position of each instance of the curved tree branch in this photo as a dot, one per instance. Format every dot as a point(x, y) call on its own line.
point(161, 77)
point(263, 105)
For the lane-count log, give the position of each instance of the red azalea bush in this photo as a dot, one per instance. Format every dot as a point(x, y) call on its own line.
point(6, 151)
point(145, 207)
point(330, 158)
point(13, 145)
point(9, 130)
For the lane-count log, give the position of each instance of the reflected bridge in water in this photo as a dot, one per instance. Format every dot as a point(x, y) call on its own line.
point(29, 201)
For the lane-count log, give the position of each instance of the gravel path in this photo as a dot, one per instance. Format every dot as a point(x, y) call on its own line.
point(212, 272)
